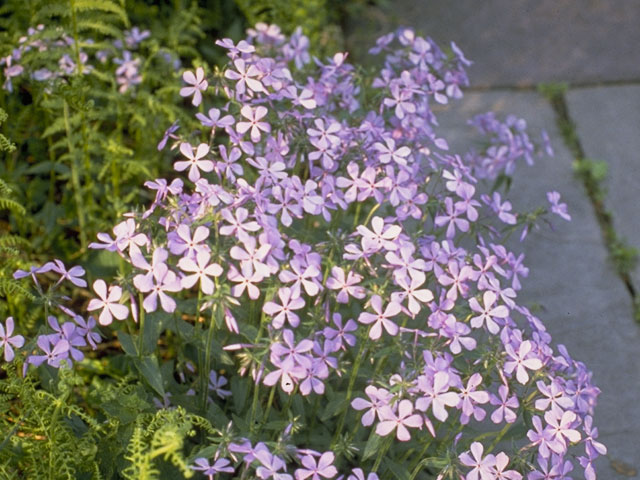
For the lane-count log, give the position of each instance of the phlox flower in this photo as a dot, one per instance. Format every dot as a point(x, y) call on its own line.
point(246, 77)
point(378, 399)
point(483, 467)
point(284, 311)
point(198, 85)
point(108, 302)
point(404, 418)
point(346, 284)
point(502, 460)
point(55, 352)
point(412, 292)
point(221, 465)
point(506, 404)
point(238, 226)
point(216, 383)
point(389, 153)
point(200, 269)
point(358, 474)
point(560, 425)
point(380, 319)
point(323, 467)
point(381, 235)
point(195, 162)
point(8, 341)
point(162, 280)
point(213, 119)
point(488, 312)
point(450, 218)
point(436, 394)
point(245, 279)
point(302, 276)
point(254, 116)
point(521, 360)
point(73, 274)
point(470, 397)
point(270, 465)
point(559, 209)
point(340, 335)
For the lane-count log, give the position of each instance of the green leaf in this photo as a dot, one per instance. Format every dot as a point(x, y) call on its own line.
point(240, 389)
point(150, 370)
point(336, 405)
point(46, 167)
point(398, 470)
point(128, 344)
point(152, 330)
point(372, 447)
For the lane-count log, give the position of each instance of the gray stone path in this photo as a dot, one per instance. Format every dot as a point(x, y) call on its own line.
point(608, 125)
point(521, 42)
point(582, 42)
point(570, 287)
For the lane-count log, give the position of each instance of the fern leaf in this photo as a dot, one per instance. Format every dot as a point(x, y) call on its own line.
point(101, 5)
point(12, 206)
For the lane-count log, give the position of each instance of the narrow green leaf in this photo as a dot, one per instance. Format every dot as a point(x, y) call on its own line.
point(372, 447)
point(128, 344)
point(150, 370)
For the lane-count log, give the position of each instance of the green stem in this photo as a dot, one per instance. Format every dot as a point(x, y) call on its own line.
point(269, 403)
point(352, 381)
point(75, 178)
point(420, 456)
point(382, 453)
point(206, 366)
point(141, 329)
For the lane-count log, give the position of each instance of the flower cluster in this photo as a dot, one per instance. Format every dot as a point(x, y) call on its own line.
point(341, 252)
point(122, 57)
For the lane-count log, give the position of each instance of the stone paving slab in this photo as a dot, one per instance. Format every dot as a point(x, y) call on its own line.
point(571, 287)
point(519, 42)
point(608, 124)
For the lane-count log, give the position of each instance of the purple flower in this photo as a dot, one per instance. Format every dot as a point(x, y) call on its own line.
point(521, 360)
point(8, 341)
point(254, 116)
point(195, 162)
point(488, 312)
point(200, 269)
point(216, 383)
point(284, 311)
point(559, 209)
point(162, 280)
point(347, 286)
point(323, 467)
point(108, 302)
point(378, 399)
point(198, 85)
point(55, 352)
point(380, 319)
point(221, 465)
point(483, 467)
point(506, 404)
point(72, 274)
point(404, 418)
point(245, 77)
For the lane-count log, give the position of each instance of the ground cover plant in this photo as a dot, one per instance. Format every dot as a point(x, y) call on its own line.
point(320, 289)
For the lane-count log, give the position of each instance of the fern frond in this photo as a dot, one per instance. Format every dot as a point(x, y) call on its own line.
point(101, 5)
point(14, 241)
point(12, 206)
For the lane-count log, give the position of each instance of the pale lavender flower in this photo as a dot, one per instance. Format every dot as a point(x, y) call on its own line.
point(254, 116)
point(198, 85)
point(195, 162)
point(8, 341)
point(483, 466)
point(108, 302)
point(323, 467)
point(201, 270)
point(390, 421)
point(559, 209)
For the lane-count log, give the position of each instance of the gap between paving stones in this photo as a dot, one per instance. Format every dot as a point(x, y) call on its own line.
point(622, 257)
